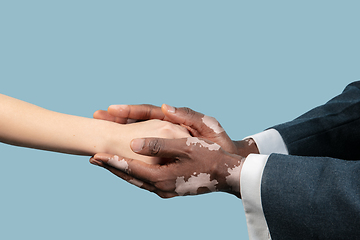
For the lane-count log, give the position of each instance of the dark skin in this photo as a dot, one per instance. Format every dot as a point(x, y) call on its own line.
point(195, 169)
point(210, 161)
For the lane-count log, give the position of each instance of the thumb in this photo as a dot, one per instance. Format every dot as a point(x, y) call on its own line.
point(159, 147)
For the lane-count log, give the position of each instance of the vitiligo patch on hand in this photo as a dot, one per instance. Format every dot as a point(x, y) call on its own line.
point(195, 140)
point(212, 123)
point(233, 179)
point(119, 164)
point(194, 183)
point(250, 141)
point(136, 182)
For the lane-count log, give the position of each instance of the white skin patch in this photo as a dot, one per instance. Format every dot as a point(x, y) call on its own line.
point(119, 164)
point(136, 182)
point(194, 183)
point(195, 140)
point(233, 179)
point(212, 123)
point(250, 141)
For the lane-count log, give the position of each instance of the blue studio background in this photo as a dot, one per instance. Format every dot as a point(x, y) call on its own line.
point(250, 64)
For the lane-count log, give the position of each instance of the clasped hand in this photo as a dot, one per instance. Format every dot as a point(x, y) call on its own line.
point(208, 161)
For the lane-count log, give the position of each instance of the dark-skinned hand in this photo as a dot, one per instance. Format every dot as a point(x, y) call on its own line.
point(199, 166)
point(198, 124)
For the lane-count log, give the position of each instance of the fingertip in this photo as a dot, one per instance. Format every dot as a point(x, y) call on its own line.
point(95, 162)
point(168, 109)
point(118, 109)
point(97, 114)
point(103, 157)
point(104, 115)
point(92, 160)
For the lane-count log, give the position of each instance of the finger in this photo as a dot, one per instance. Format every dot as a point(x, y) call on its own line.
point(160, 147)
point(104, 115)
point(123, 175)
point(198, 123)
point(96, 162)
point(134, 168)
point(139, 183)
point(131, 180)
point(138, 112)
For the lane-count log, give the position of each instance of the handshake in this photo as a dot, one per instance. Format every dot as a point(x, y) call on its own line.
point(203, 160)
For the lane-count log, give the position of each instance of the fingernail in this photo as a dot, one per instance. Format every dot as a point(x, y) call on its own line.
point(137, 144)
point(169, 109)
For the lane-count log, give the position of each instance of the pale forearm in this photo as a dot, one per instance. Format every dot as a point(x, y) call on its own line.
point(27, 125)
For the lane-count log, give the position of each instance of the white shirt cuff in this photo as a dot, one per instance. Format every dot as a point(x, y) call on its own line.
point(270, 141)
point(250, 181)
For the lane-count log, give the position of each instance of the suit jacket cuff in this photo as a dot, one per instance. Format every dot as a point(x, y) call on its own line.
point(250, 182)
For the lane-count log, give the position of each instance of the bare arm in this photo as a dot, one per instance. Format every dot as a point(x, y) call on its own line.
point(24, 124)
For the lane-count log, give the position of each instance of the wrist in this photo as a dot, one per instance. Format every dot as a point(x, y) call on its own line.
point(228, 173)
point(116, 140)
point(103, 137)
point(246, 147)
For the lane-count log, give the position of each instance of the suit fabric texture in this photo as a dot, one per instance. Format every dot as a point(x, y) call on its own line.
point(314, 192)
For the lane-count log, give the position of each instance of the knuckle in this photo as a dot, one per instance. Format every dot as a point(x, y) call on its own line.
point(167, 129)
point(191, 149)
point(189, 112)
point(165, 125)
point(147, 110)
point(155, 146)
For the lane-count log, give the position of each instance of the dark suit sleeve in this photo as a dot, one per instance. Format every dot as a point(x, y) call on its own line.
point(331, 130)
point(311, 197)
point(316, 195)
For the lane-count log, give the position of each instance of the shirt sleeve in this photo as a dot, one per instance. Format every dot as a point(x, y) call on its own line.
point(250, 181)
point(268, 142)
